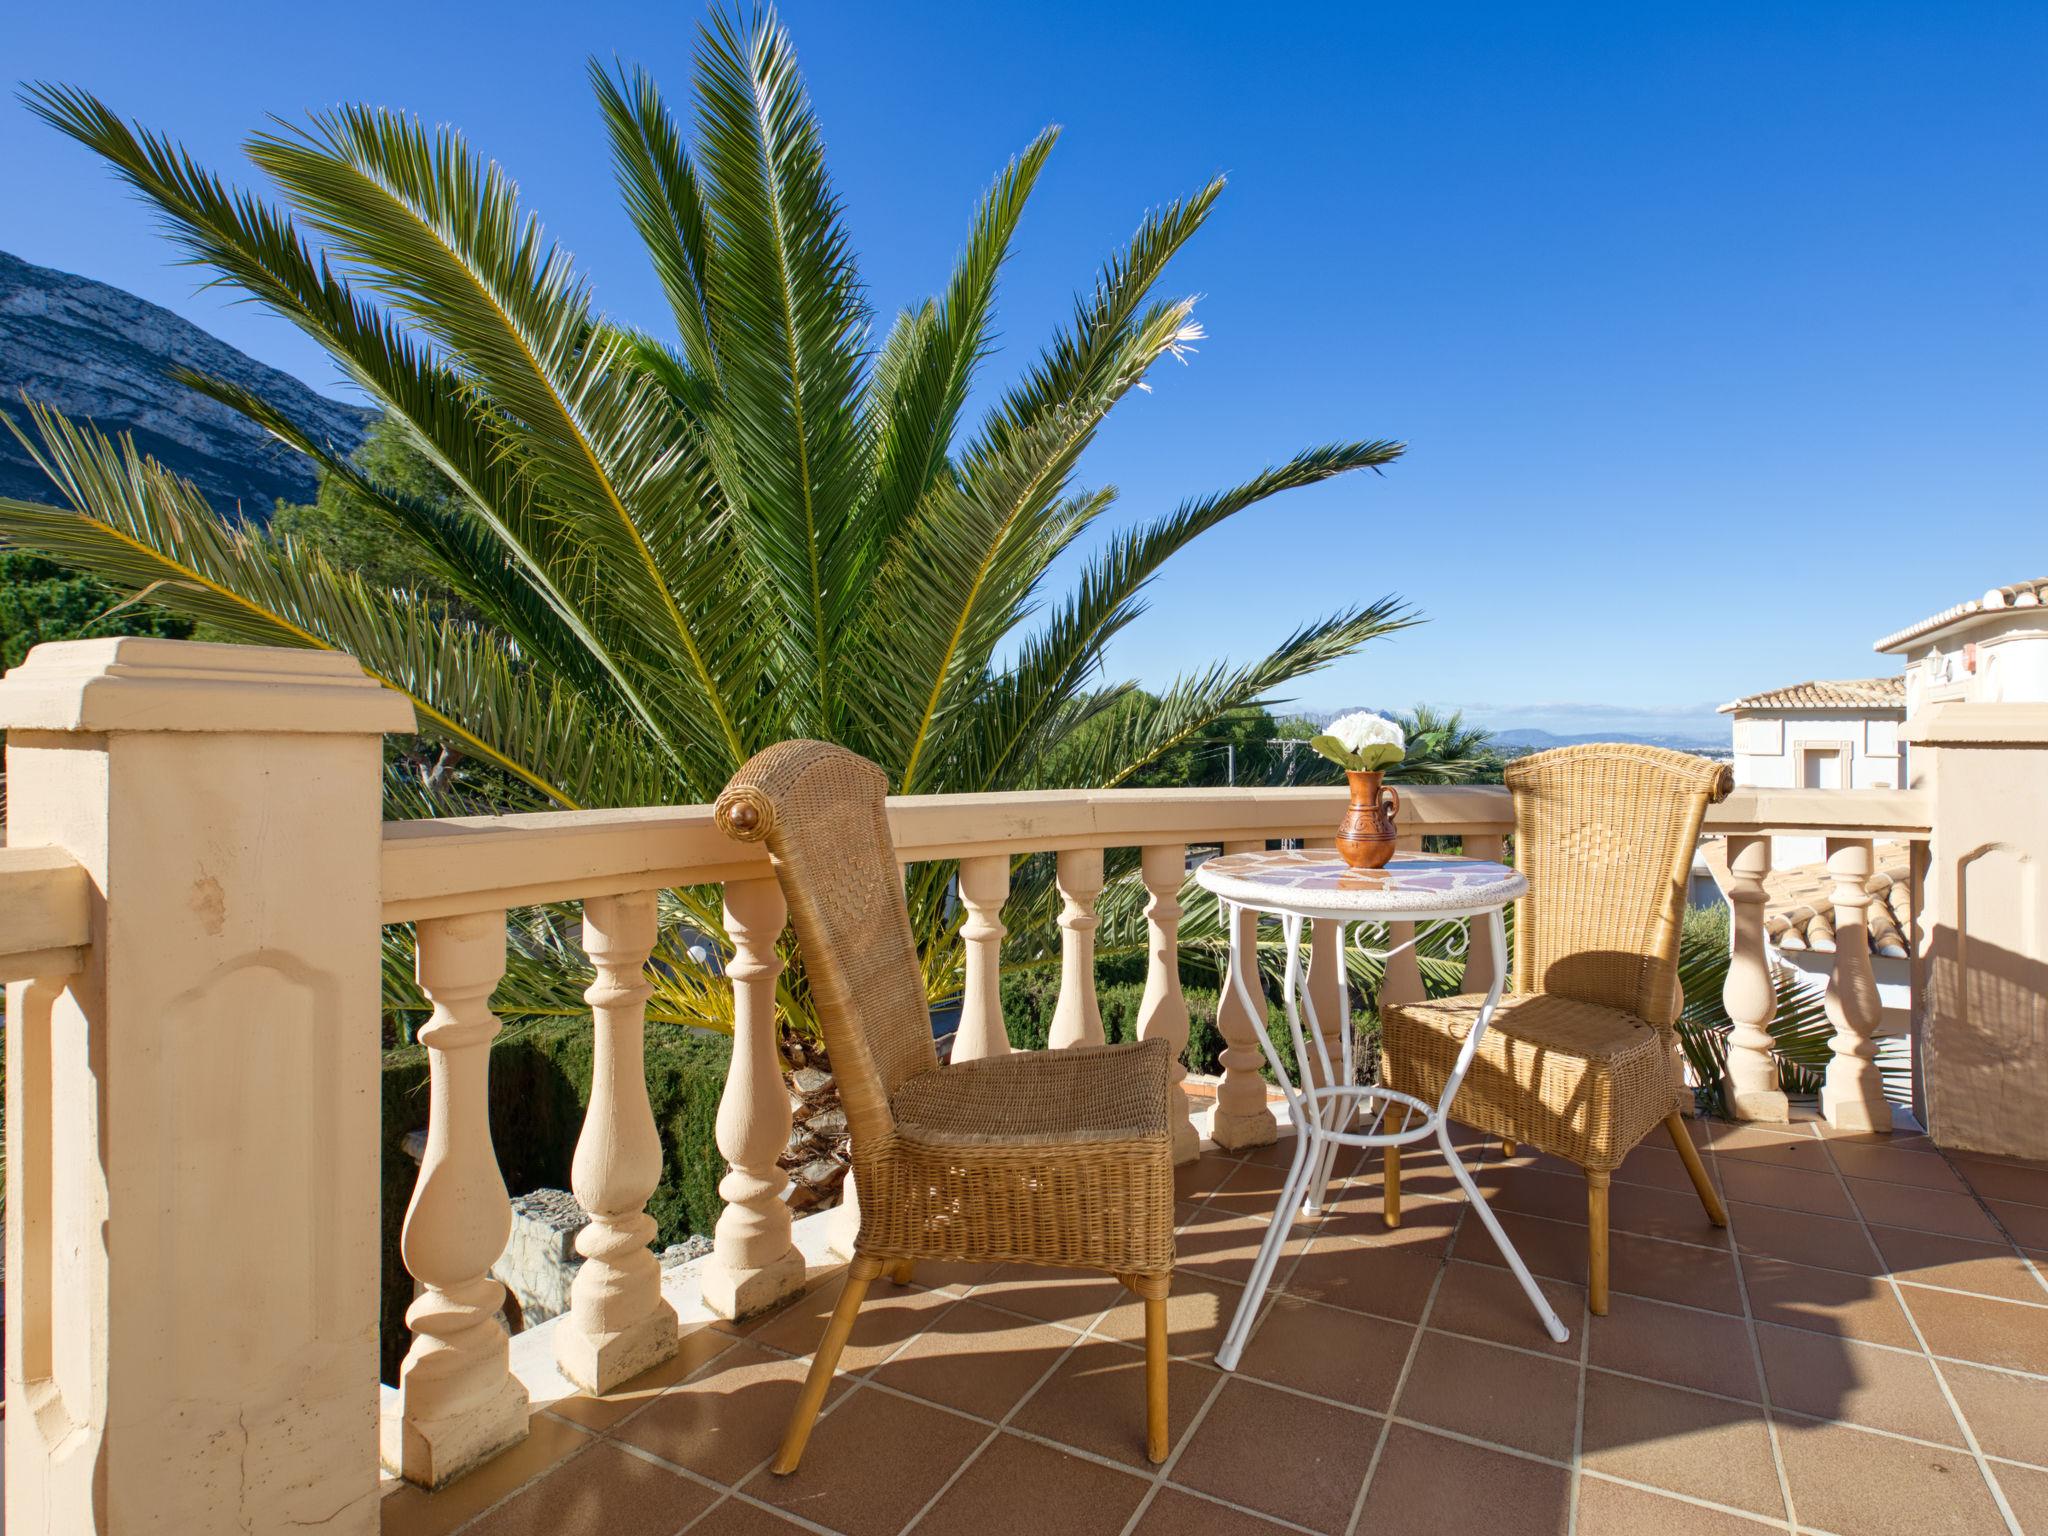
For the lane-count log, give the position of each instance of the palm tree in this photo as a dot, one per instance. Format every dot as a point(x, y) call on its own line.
point(665, 552)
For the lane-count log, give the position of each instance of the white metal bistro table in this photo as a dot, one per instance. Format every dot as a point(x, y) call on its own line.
point(1305, 886)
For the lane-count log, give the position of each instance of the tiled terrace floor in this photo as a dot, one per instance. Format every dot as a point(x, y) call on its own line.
point(1865, 1352)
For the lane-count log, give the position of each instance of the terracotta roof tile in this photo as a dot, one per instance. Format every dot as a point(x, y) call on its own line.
point(2021, 594)
point(1853, 693)
point(1799, 913)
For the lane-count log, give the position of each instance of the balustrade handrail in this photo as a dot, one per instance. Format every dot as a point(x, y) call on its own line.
point(447, 866)
point(45, 913)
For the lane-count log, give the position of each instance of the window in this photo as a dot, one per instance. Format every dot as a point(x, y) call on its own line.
point(1821, 768)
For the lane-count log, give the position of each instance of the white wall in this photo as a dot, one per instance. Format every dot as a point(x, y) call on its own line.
point(1773, 748)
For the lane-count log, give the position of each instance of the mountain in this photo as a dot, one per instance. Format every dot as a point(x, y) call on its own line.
point(97, 352)
point(1530, 740)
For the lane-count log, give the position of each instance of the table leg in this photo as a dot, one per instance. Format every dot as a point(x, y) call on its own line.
point(1307, 1150)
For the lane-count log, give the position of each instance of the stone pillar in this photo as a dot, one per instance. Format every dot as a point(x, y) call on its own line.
point(753, 1264)
point(1983, 1016)
point(1077, 1017)
point(1402, 982)
point(1163, 1010)
point(619, 1324)
point(1242, 1117)
point(458, 1401)
point(193, 1277)
point(1852, 1096)
point(984, 886)
point(1748, 994)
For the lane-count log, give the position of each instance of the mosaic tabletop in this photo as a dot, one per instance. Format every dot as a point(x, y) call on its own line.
point(1317, 879)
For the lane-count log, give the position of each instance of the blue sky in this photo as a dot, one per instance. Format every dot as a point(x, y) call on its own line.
point(1719, 335)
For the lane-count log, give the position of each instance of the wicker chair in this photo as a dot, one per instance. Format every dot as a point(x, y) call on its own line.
point(1580, 1059)
point(1062, 1157)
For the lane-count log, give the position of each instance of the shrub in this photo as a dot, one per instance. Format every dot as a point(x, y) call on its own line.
point(540, 1086)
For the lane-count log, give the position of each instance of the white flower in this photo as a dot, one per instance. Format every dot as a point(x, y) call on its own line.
point(1362, 742)
point(1362, 728)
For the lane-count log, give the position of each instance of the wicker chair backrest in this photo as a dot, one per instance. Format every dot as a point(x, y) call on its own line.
point(820, 810)
point(1605, 834)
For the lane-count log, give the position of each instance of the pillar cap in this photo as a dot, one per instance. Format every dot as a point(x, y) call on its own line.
point(1965, 723)
point(135, 683)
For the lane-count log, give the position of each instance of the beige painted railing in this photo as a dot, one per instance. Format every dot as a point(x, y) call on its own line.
point(222, 1024)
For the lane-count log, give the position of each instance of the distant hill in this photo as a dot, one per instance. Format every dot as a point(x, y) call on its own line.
point(97, 352)
point(1535, 741)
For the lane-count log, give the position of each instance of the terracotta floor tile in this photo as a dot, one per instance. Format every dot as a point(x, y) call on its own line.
point(1198, 1313)
point(1221, 1243)
point(1555, 1250)
point(1095, 1401)
point(1493, 1394)
point(872, 1464)
point(1896, 1165)
point(954, 1275)
point(738, 1517)
point(1610, 1509)
point(1681, 1441)
point(2008, 1414)
point(2028, 1224)
point(1798, 1238)
point(1767, 1144)
point(1789, 1189)
point(1257, 1184)
point(1203, 1177)
point(1665, 1213)
point(2026, 1489)
point(1392, 1280)
point(697, 1348)
point(1075, 1297)
point(1174, 1513)
point(1924, 1210)
point(976, 1359)
point(1284, 1455)
point(2000, 1179)
point(1487, 1303)
point(601, 1488)
point(889, 1315)
point(1870, 1485)
point(1826, 1378)
point(1425, 1482)
point(815, 1276)
point(1421, 1221)
point(1657, 1163)
point(410, 1511)
point(1328, 1351)
point(1683, 1273)
point(1708, 1351)
point(1826, 1301)
point(1979, 1329)
point(1066, 1493)
point(726, 1419)
point(1957, 1263)
point(1534, 1192)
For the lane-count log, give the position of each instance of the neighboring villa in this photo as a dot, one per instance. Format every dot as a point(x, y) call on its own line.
point(1849, 735)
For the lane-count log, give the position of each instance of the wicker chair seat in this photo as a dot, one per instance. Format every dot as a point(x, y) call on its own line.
point(1580, 1081)
point(1083, 1095)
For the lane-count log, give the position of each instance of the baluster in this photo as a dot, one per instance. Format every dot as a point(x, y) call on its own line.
point(1163, 1011)
point(618, 1324)
point(1077, 1020)
point(1748, 996)
point(754, 1264)
point(1242, 1118)
point(1852, 1096)
point(1402, 981)
point(458, 1402)
point(1482, 965)
point(984, 886)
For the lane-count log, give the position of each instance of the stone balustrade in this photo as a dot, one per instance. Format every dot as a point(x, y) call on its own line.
point(251, 898)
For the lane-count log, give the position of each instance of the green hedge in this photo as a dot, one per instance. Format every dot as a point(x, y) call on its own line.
point(540, 1085)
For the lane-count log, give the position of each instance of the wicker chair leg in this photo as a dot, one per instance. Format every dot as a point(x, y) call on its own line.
point(1153, 1290)
point(1690, 1156)
point(903, 1271)
point(1507, 1146)
point(860, 1274)
point(1391, 1205)
point(1596, 1240)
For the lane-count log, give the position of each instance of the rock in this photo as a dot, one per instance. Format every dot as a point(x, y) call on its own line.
point(821, 1171)
point(826, 1123)
point(695, 1246)
point(810, 1082)
point(95, 351)
point(414, 1145)
point(540, 1259)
